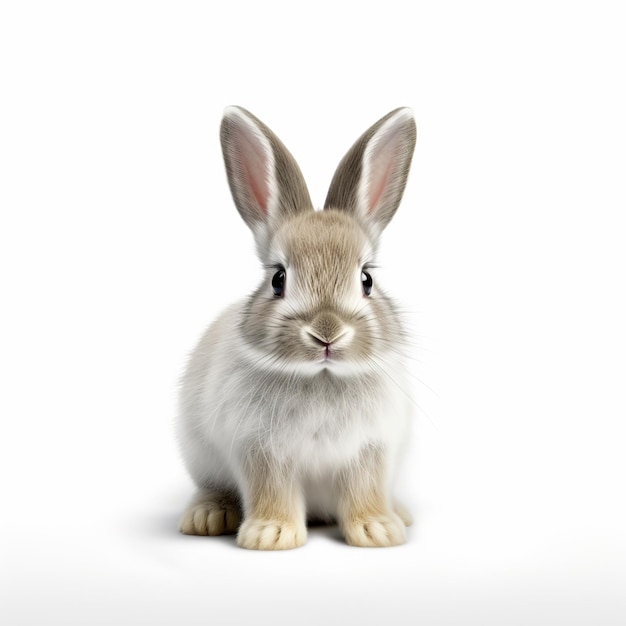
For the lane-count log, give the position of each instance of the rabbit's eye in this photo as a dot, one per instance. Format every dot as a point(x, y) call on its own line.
point(366, 279)
point(278, 283)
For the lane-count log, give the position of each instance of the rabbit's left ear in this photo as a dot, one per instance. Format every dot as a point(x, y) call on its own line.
point(370, 180)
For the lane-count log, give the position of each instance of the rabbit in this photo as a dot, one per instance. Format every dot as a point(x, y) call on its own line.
point(293, 404)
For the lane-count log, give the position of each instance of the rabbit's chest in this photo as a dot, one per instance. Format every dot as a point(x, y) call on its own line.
point(319, 426)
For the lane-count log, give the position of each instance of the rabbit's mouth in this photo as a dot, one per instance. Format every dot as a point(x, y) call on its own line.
point(328, 355)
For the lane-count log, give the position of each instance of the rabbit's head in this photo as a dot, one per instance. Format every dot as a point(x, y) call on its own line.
point(319, 307)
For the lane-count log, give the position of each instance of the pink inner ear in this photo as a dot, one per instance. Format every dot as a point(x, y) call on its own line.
point(378, 183)
point(254, 168)
point(383, 159)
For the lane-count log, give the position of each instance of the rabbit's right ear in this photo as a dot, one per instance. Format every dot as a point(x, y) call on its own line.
point(265, 180)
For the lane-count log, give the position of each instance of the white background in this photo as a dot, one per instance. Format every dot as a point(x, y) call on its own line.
point(119, 243)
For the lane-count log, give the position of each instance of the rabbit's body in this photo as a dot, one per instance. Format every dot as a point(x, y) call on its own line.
point(294, 402)
point(314, 424)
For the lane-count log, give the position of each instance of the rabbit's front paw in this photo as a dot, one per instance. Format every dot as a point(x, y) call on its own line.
point(210, 518)
point(375, 531)
point(260, 534)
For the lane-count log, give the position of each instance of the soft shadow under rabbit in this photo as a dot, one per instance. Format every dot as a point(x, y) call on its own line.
point(293, 402)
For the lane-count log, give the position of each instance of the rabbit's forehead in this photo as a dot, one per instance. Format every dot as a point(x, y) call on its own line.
point(324, 240)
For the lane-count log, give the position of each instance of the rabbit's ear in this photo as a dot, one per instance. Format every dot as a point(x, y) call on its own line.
point(265, 180)
point(369, 181)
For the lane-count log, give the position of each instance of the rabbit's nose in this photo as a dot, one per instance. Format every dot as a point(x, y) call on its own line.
point(326, 329)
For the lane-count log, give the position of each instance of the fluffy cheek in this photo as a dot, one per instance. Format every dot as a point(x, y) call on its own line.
point(267, 328)
point(290, 345)
point(362, 344)
point(258, 324)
